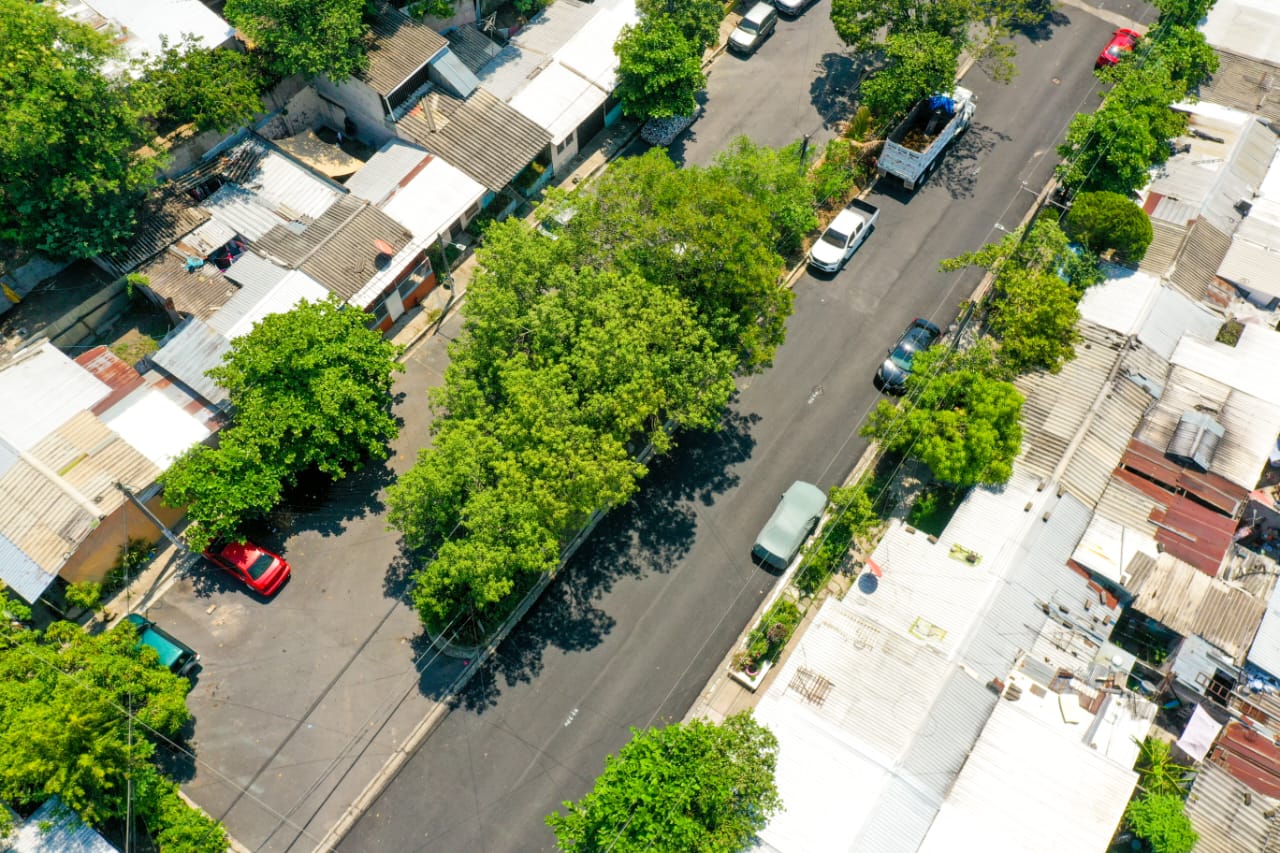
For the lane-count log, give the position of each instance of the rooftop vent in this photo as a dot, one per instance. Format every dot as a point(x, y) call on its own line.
point(1194, 441)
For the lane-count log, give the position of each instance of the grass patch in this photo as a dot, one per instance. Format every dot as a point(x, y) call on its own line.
point(933, 508)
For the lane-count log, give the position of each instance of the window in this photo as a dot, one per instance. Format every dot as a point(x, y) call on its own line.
point(379, 314)
point(409, 285)
point(565, 144)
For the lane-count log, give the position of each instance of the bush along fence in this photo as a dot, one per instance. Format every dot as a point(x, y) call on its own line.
point(851, 520)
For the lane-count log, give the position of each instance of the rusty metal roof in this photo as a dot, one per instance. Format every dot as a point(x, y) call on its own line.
point(113, 371)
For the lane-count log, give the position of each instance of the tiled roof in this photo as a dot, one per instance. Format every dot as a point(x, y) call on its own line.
point(483, 136)
point(398, 48)
point(338, 249)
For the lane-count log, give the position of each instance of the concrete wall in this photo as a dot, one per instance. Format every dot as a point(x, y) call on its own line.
point(306, 109)
point(90, 317)
point(363, 106)
point(99, 552)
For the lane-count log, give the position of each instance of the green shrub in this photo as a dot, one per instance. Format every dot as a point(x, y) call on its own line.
point(1159, 820)
point(85, 594)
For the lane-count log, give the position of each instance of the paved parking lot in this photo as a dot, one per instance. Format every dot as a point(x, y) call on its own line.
point(302, 698)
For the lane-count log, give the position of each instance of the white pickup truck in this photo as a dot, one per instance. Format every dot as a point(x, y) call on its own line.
point(843, 236)
point(914, 146)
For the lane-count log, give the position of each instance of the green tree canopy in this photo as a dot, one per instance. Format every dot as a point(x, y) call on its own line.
point(212, 89)
point(688, 786)
point(1113, 147)
point(698, 20)
point(776, 179)
point(71, 174)
point(1185, 53)
point(1187, 13)
point(659, 70)
point(309, 389)
point(308, 37)
point(1106, 220)
point(917, 63)
point(65, 696)
point(1159, 820)
point(956, 418)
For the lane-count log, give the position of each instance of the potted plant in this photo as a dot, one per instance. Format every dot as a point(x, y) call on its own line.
point(746, 664)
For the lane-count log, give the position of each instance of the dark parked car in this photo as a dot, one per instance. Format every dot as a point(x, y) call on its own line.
point(892, 375)
point(791, 523)
point(174, 654)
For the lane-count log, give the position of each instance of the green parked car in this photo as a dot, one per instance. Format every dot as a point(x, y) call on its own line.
point(175, 654)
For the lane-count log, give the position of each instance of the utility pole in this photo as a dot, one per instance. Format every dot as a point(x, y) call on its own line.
point(168, 534)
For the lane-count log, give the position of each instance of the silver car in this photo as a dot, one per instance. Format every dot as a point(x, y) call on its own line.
point(791, 523)
point(755, 26)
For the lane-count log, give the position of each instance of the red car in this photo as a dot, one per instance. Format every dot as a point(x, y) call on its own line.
point(262, 570)
point(1122, 41)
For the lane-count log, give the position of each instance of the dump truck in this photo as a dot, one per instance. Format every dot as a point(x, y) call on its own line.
point(914, 146)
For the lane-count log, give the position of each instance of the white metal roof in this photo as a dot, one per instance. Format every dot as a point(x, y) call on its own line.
point(243, 211)
point(433, 199)
point(141, 24)
point(1030, 785)
point(1108, 544)
point(1249, 366)
point(395, 161)
point(1173, 314)
point(156, 426)
point(1122, 301)
point(288, 187)
point(1247, 27)
point(244, 310)
point(51, 387)
point(54, 828)
point(188, 352)
point(554, 26)
point(1253, 261)
point(1265, 651)
point(589, 52)
point(558, 100)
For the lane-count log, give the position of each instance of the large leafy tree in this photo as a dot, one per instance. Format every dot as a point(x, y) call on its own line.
point(307, 37)
point(1187, 13)
point(776, 179)
point(659, 69)
point(698, 20)
point(70, 169)
point(917, 63)
point(688, 786)
point(212, 89)
point(957, 418)
point(1104, 221)
point(1113, 147)
point(1183, 50)
point(65, 701)
point(694, 231)
point(310, 389)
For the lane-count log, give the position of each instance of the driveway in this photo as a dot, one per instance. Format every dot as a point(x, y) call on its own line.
point(301, 699)
point(632, 631)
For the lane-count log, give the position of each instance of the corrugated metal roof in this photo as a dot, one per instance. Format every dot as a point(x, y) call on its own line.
point(473, 47)
point(1122, 301)
point(558, 100)
point(247, 308)
point(453, 74)
point(114, 372)
point(1253, 260)
point(1265, 651)
point(399, 47)
point(255, 274)
point(1166, 240)
point(338, 249)
point(52, 389)
point(241, 210)
point(1199, 259)
point(1029, 786)
point(394, 164)
point(1251, 757)
point(198, 292)
point(511, 70)
point(1229, 816)
point(433, 199)
point(1172, 315)
point(286, 186)
point(54, 828)
point(1250, 423)
point(1153, 464)
point(1189, 601)
point(1243, 83)
point(1120, 528)
point(188, 352)
point(483, 135)
point(1248, 27)
point(165, 215)
point(86, 455)
point(1099, 450)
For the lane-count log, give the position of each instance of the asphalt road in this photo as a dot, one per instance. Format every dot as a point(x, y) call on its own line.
point(632, 631)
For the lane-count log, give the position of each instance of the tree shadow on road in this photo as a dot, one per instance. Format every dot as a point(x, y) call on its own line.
point(833, 90)
point(647, 536)
point(1043, 30)
point(958, 167)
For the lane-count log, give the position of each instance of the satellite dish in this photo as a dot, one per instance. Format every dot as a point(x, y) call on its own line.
point(384, 247)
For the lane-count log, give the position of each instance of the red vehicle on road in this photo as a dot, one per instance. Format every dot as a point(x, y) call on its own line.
point(1122, 41)
point(263, 571)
